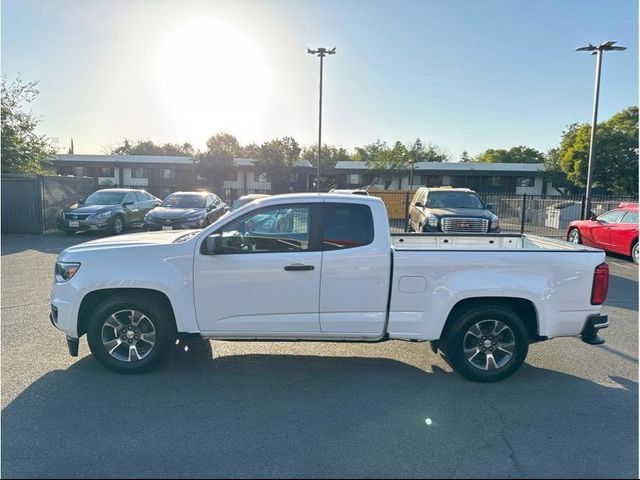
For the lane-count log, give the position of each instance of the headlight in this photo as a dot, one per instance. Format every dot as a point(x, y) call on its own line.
point(103, 215)
point(495, 223)
point(432, 221)
point(66, 271)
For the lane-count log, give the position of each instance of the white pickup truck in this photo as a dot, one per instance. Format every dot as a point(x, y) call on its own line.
point(325, 267)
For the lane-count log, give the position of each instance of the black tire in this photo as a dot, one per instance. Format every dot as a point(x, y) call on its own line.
point(574, 231)
point(634, 252)
point(161, 322)
point(117, 225)
point(409, 227)
point(461, 331)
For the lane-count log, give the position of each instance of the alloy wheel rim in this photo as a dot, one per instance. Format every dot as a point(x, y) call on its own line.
point(128, 335)
point(574, 236)
point(489, 345)
point(636, 253)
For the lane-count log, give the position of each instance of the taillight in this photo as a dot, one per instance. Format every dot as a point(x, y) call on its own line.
point(600, 284)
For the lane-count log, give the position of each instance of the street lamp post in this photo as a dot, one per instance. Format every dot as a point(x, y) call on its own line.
point(320, 52)
point(598, 51)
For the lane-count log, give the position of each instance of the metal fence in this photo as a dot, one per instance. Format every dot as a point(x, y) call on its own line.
point(543, 215)
point(31, 204)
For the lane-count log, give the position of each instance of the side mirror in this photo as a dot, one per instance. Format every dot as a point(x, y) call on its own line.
point(418, 205)
point(127, 204)
point(81, 201)
point(226, 208)
point(489, 206)
point(210, 207)
point(213, 244)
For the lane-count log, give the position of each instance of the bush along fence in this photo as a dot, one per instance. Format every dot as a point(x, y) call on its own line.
point(532, 214)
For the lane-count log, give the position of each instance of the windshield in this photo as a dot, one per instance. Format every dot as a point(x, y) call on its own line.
point(105, 198)
point(454, 200)
point(243, 201)
point(184, 201)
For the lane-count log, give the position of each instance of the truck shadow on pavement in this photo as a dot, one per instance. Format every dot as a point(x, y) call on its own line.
point(308, 416)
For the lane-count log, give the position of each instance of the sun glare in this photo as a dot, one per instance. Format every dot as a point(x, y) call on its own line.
point(213, 77)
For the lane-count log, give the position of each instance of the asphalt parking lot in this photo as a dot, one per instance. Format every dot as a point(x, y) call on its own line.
point(236, 409)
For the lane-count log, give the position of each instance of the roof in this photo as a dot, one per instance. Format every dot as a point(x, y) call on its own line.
point(456, 166)
point(250, 162)
point(123, 190)
point(125, 159)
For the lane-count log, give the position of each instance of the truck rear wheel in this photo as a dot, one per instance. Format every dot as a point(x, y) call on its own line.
point(486, 343)
point(129, 334)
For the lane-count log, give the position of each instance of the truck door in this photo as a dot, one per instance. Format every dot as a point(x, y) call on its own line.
point(267, 279)
point(356, 268)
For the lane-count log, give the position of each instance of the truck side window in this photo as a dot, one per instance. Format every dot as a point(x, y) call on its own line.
point(284, 228)
point(346, 225)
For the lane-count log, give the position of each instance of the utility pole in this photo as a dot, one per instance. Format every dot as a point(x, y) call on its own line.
point(320, 52)
point(598, 51)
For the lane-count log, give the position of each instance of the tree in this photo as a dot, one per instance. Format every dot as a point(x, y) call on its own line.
point(277, 157)
point(215, 166)
point(386, 163)
point(519, 154)
point(147, 147)
point(330, 155)
point(224, 142)
point(23, 150)
point(616, 154)
point(465, 158)
point(434, 153)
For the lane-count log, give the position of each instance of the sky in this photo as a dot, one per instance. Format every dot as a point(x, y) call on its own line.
point(462, 74)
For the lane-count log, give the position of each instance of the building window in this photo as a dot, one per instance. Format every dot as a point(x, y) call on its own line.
point(138, 173)
point(263, 177)
point(497, 181)
point(526, 181)
point(107, 172)
point(293, 177)
point(168, 173)
point(432, 180)
point(354, 179)
point(78, 171)
point(65, 170)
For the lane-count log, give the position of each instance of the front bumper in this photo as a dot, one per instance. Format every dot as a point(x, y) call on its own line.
point(82, 225)
point(181, 224)
point(592, 326)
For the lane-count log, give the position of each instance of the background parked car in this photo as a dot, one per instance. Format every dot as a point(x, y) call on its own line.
point(450, 210)
point(184, 210)
point(111, 209)
point(614, 231)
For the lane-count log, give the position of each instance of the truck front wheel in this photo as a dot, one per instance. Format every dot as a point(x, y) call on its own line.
point(486, 343)
point(129, 334)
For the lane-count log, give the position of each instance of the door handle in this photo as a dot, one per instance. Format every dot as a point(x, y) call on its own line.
point(295, 268)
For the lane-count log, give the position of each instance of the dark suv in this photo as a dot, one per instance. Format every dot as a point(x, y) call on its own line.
point(450, 210)
point(111, 209)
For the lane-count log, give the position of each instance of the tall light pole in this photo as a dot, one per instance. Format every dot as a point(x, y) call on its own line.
point(320, 52)
point(598, 51)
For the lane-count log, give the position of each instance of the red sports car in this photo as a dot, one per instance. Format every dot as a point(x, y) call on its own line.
point(614, 231)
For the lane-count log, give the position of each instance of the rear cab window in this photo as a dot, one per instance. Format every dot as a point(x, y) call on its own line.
point(346, 225)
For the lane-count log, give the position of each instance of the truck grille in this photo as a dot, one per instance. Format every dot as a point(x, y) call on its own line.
point(76, 216)
point(465, 225)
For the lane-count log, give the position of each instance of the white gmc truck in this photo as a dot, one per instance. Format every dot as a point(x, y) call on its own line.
point(325, 267)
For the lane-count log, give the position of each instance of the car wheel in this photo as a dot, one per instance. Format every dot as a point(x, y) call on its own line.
point(486, 343)
point(129, 334)
point(635, 253)
point(574, 236)
point(117, 225)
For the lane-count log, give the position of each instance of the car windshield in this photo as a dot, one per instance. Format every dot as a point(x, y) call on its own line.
point(184, 201)
point(105, 198)
point(242, 202)
point(454, 200)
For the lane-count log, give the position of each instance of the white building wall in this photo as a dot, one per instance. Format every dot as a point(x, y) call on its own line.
point(115, 180)
point(134, 182)
point(535, 190)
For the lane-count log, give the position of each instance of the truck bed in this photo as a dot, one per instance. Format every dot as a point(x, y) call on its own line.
point(447, 241)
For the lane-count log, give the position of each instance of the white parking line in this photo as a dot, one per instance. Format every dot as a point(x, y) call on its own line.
point(620, 264)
